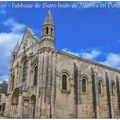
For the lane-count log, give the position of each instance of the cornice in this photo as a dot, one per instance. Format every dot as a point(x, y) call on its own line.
point(88, 61)
point(48, 38)
point(46, 49)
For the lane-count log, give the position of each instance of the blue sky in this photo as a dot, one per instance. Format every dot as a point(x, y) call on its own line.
point(90, 33)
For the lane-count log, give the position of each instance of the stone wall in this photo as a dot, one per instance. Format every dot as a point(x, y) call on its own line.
point(91, 104)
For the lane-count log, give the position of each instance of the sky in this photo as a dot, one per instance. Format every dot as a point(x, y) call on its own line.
point(92, 33)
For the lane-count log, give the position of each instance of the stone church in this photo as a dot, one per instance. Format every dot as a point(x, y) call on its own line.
point(47, 83)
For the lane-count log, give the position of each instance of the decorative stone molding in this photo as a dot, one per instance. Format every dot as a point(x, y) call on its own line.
point(34, 61)
point(46, 49)
point(86, 60)
point(49, 38)
point(65, 91)
point(85, 76)
point(23, 58)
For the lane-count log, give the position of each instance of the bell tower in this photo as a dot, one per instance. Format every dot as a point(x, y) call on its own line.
point(48, 29)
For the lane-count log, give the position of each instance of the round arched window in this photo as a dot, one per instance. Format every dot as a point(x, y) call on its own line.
point(113, 88)
point(25, 70)
point(35, 75)
point(84, 85)
point(99, 87)
point(64, 82)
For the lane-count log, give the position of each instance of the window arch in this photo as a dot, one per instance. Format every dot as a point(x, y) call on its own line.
point(64, 82)
point(12, 82)
point(35, 75)
point(52, 31)
point(112, 88)
point(47, 30)
point(99, 87)
point(25, 70)
point(84, 84)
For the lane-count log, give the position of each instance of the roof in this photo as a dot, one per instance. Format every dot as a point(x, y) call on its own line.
point(48, 19)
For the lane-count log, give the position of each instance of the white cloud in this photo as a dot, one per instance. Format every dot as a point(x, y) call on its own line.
point(9, 37)
point(13, 25)
point(113, 60)
point(91, 55)
point(68, 51)
point(8, 41)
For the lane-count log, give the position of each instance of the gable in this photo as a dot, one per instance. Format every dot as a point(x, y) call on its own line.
point(28, 40)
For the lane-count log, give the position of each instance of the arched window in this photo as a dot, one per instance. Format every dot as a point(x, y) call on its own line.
point(64, 82)
point(52, 31)
point(12, 82)
point(99, 87)
point(25, 70)
point(35, 75)
point(47, 30)
point(84, 85)
point(113, 88)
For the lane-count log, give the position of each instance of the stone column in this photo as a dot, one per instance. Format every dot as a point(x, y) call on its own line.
point(79, 94)
point(44, 84)
point(38, 85)
point(29, 73)
point(97, 99)
point(108, 88)
point(15, 76)
point(40, 82)
point(95, 93)
point(52, 107)
point(20, 106)
point(20, 75)
point(49, 87)
point(37, 90)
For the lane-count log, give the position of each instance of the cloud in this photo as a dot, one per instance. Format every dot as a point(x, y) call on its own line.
point(8, 41)
point(68, 51)
point(9, 37)
point(93, 54)
point(112, 60)
point(13, 25)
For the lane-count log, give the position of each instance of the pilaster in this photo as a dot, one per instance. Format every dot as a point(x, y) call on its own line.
point(20, 106)
point(95, 93)
point(40, 82)
point(79, 94)
point(38, 88)
point(53, 85)
point(108, 88)
point(49, 85)
point(44, 85)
